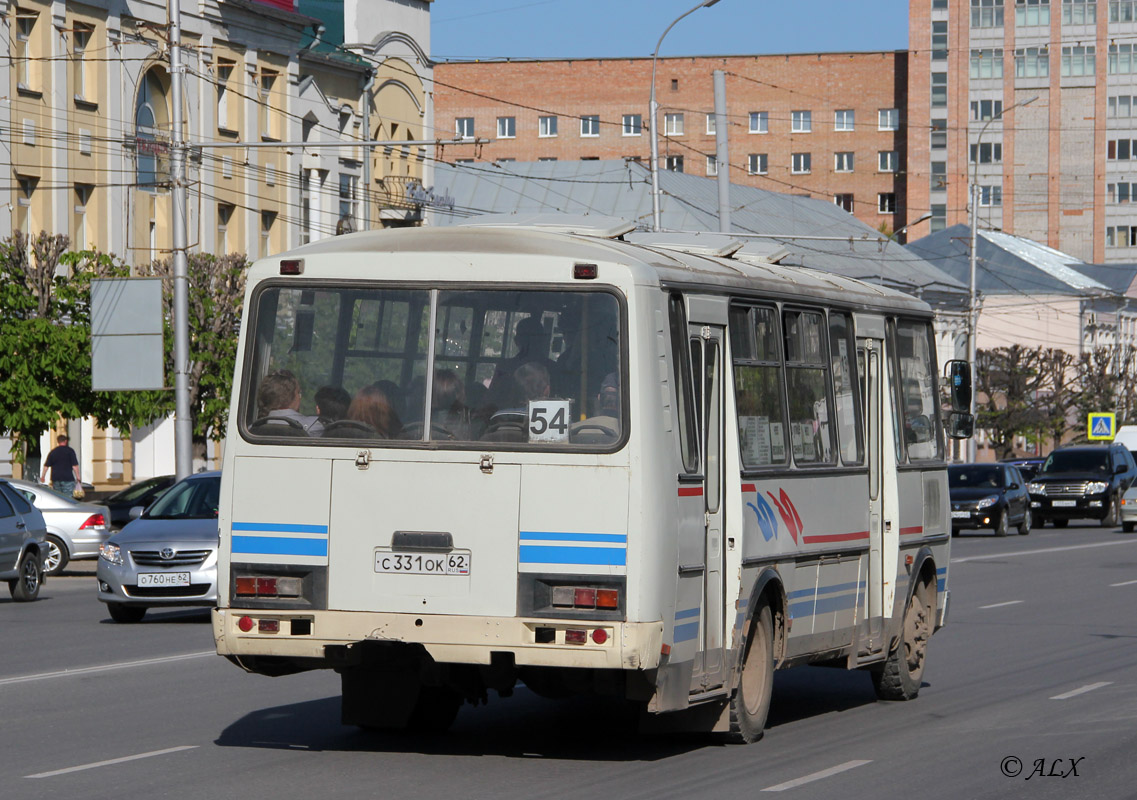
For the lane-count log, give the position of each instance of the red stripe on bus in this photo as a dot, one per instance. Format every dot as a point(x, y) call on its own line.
point(912, 531)
point(696, 491)
point(835, 537)
point(749, 487)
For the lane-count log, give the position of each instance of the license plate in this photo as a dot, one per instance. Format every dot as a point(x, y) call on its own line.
point(163, 579)
point(453, 563)
point(960, 514)
point(1064, 504)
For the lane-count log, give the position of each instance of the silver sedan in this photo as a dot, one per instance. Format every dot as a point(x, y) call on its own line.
point(167, 556)
point(75, 529)
point(1128, 516)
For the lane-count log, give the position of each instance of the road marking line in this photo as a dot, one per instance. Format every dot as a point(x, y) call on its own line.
point(1042, 550)
point(1000, 605)
point(816, 776)
point(1083, 690)
point(1124, 583)
point(68, 673)
point(108, 763)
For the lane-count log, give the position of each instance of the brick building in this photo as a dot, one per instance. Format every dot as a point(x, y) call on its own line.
point(1056, 168)
point(822, 124)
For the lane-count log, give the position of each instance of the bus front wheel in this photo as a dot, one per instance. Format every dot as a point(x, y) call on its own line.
point(751, 701)
point(900, 676)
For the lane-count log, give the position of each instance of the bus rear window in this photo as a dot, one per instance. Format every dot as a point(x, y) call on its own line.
point(339, 365)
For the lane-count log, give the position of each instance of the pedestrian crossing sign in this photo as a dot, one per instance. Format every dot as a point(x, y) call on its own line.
point(1100, 425)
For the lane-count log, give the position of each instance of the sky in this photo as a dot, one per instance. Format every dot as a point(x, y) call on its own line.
point(473, 29)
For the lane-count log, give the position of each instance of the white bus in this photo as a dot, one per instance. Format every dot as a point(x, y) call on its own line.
point(465, 457)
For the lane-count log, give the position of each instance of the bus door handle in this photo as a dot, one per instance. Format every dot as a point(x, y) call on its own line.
point(887, 525)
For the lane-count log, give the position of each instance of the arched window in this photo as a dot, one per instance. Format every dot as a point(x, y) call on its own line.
point(149, 118)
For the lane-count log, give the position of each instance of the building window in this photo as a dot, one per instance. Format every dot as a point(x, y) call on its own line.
point(224, 216)
point(224, 75)
point(1079, 12)
point(349, 203)
point(712, 166)
point(843, 119)
point(939, 134)
point(546, 158)
point(81, 41)
point(546, 127)
point(888, 119)
point(801, 121)
point(986, 13)
point(988, 152)
point(464, 127)
point(1032, 62)
point(672, 124)
point(269, 116)
point(1121, 236)
point(590, 125)
point(673, 163)
point(22, 53)
point(1032, 12)
point(1121, 59)
point(1122, 11)
point(268, 219)
point(759, 121)
point(938, 176)
point(1078, 61)
point(886, 203)
point(939, 90)
point(710, 124)
point(939, 41)
point(939, 217)
point(844, 201)
point(888, 161)
point(633, 125)
point(843, 162)
point(987, 63)
point(990, 196)
point(84, 142)
point(80, 238)
point(800, 163)
point(506, 127)
point(149, 111)
point(983, 110)
point(1120, 149)
point(1121, 106)
point(756, 163)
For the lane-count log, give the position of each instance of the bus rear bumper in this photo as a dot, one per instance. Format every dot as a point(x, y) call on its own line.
point(308, 635)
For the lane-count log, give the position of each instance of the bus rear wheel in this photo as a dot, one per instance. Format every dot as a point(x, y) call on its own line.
point(900, 676)
point(751, 702)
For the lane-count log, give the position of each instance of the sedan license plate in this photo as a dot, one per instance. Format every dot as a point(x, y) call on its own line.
point(1064, 504)
point(456, 562)
point(960, 514)
point(164, 579)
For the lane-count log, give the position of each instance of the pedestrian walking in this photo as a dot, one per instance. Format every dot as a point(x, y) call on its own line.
point(64, 466)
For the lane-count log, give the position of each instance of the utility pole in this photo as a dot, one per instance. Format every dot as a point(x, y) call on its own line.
point(722, 151)
point(183, 423)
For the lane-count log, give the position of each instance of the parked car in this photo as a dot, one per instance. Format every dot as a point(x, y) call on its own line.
point(1129, 509)
point(23, 544)
point(988, 496)
point(141, 493)
point(167, 556)
point(75, 528)
point(1028, 467)
point(1082, 482)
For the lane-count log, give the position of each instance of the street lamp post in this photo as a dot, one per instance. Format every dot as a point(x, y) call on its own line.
point(653, 109)
point(972, 307)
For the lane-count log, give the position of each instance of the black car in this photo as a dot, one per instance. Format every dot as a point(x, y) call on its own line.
point(142, 494)
point(1028, 467)
point(988, 496)
point(1082, 482)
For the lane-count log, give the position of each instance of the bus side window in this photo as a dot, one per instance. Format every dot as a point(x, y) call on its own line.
point(681, 374)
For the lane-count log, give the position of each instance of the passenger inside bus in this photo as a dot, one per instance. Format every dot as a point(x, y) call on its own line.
point(278, 405)
point(532, 342)
point(369, 416)
point(530, 382)
point(603, 426)
point(331, 404)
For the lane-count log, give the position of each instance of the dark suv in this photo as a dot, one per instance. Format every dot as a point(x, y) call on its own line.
point(1082, 482)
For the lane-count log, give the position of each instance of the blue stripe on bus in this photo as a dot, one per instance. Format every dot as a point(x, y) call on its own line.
point(940, 584)
point(275, 527)
point(618, 538)
point(686, 633)
point(824, 605)
point(839, 587)
point(280, 546)
point(690, 612)
point(609, 556)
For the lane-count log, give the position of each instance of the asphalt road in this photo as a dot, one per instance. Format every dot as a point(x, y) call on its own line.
point(1036, 671)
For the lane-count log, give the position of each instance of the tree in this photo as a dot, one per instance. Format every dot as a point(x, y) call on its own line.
point(1011, 383)
point(216, 297)
point(45, 342)
point(1105, 379)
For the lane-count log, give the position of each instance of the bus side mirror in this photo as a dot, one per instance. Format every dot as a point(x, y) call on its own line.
point(959, 383)
point(960, 425)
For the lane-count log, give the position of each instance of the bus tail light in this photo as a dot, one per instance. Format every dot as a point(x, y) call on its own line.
point(607, 598)
point(573, 636)
point(584, 597)
point(292, 266)
point(267, 587)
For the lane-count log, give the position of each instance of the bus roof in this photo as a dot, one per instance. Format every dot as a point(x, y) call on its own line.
point(651, 258)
